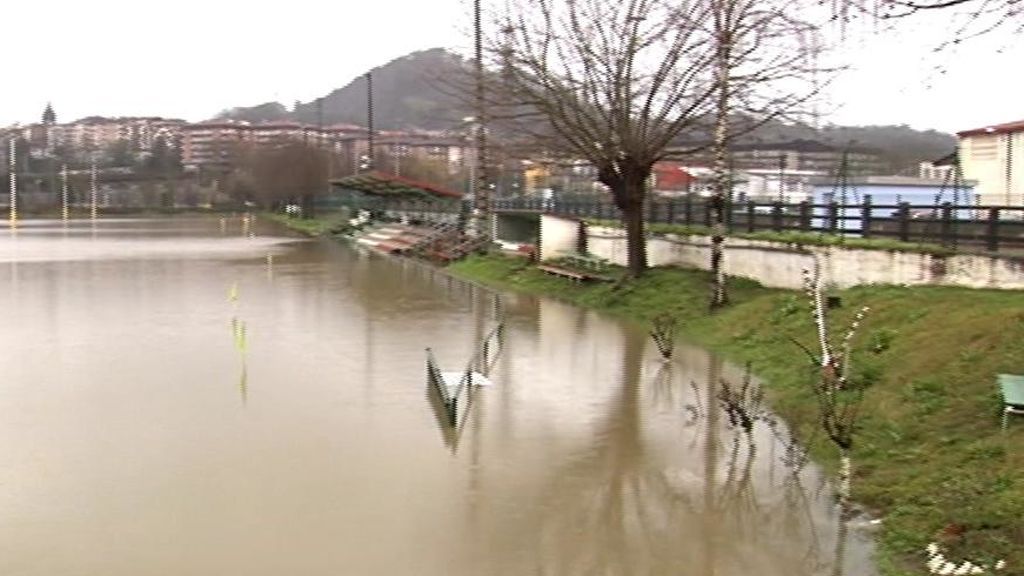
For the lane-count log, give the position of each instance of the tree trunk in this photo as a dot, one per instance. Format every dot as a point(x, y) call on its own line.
point(631, 203)
point(845, 473)
point(721, 187)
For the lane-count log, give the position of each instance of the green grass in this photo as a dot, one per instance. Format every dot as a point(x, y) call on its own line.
point(796, 237)
point(929, 451)
point(328, 224)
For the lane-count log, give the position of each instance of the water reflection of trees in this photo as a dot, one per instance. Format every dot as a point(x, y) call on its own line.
point(629, 508)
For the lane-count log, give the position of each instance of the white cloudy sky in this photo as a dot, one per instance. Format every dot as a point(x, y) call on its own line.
point(192, 58)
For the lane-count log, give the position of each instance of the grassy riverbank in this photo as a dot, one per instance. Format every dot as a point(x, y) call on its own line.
point(929, 454)
point(332, 223)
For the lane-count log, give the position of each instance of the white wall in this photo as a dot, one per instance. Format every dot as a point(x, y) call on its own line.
point(780, 265)
point(557, 236)
point(986, 159)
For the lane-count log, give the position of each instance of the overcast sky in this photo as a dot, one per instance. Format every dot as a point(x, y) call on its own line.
point(192, 58)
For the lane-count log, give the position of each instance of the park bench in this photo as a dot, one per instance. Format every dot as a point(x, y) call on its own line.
point(586, 262)
point(1012, 388)
point(578, 267)
point(564, 272)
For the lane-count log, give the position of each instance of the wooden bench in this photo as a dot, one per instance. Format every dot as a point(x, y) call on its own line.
point(1012, 387)
point(564, 272)
point(587, 262)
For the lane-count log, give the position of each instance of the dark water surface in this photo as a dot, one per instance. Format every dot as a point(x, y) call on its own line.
point(142, 434)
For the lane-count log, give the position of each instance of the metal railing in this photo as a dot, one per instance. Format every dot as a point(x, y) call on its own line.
point(483, 360)
point(969, 227)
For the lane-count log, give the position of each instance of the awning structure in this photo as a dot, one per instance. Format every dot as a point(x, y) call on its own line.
point(396, 187)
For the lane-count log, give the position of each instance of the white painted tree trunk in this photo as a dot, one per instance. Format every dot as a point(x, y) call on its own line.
point(845, 474)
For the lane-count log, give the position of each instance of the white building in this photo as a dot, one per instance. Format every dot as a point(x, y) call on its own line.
point(994, 157)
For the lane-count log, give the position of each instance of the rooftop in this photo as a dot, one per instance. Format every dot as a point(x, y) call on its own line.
point(380, 184)
point(1007, 128)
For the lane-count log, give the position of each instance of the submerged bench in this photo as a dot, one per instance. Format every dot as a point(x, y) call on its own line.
point(1012, 388)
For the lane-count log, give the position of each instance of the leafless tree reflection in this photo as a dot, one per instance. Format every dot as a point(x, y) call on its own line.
point(633, 508)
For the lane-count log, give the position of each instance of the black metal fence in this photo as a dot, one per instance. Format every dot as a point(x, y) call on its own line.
point(963, 227)
point(967, 227)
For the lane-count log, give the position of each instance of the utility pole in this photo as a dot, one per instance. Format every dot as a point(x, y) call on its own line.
point(64, 194)
point(481, 221)
point(329, 155)
point(13, 177)
point(782, 177)
point(92, 192)
point(369, 121)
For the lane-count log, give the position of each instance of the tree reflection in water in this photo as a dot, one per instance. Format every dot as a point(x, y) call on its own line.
point(638, 510)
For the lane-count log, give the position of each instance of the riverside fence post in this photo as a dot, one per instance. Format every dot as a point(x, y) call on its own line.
point(946, 228)
point(805, 216)
point(904, 221)
point(728, 212)
point(833, 217)
point(992, 233)
point(865, 217)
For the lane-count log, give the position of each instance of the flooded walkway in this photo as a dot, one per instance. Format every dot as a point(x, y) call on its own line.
point(177, 399)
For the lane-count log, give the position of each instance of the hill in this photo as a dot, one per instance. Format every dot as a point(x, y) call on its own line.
point(416, 91)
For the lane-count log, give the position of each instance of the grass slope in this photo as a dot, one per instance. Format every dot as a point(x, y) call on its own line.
point(332, 223)
point(929, 453)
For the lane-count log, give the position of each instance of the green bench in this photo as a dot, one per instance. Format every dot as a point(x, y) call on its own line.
point(586, 262)
point(1012, 387)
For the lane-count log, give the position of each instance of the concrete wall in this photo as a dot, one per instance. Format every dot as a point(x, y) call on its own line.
point(780, 265)
point(558, 236)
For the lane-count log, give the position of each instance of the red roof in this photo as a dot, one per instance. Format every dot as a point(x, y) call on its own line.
point(671, 176)
point(1007, 128)
point(382, 178)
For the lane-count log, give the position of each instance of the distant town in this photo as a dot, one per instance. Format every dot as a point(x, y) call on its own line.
point(152, 160)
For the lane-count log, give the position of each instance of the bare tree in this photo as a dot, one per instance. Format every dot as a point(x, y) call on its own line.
point(614, 83)
point(285, 172)
point(839, 392)
point(766, 64)
point(970, 18)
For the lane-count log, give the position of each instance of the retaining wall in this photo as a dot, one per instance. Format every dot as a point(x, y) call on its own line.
point(780, 265)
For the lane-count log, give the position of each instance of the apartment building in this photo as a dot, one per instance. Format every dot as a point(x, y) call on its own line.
point(95, 133)
point(211, 142)
point(993, 156)
point(794, 155)
point(449, 151)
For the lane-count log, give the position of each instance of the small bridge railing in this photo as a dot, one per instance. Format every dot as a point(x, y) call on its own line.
point(483, 360)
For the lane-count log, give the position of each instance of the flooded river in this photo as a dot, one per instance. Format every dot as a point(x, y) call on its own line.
point(186, 397)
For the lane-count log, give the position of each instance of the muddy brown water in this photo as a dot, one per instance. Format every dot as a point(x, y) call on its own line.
point(141, 433)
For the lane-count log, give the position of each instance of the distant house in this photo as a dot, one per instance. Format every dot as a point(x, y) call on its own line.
point(994, 157)
point(938, 169)
point(792, 155)
point(671, 179)
point(885, 193)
